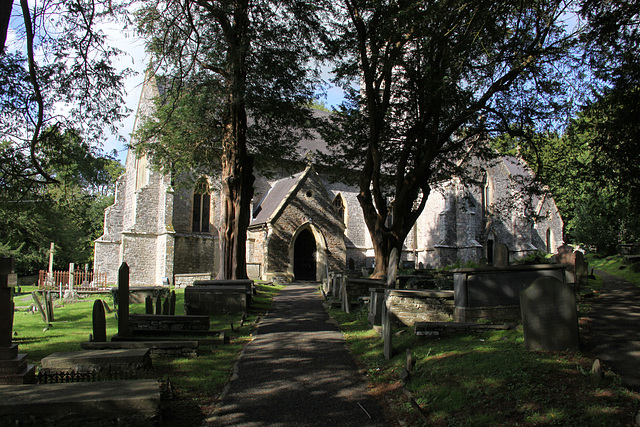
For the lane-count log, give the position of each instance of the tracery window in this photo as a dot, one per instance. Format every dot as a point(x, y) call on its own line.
point(201, 206)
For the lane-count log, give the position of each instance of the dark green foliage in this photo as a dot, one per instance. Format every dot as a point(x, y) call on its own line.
point(69, 213)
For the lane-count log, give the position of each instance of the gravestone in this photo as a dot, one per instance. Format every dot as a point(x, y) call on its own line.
point(158, 304)
point(549, 316)
point(501, 256)
point(99, 322)
point(165, 307)
point(13, 366)
point(172, 303)
point(123, 300)
point(148, 305)
point(582, 271)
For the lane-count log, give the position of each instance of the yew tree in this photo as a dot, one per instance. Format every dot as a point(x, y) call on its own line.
point(235, 77)
point(433, 81)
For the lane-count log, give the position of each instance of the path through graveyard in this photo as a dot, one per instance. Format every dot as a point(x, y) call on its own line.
point(297, 371)
point(613, 333)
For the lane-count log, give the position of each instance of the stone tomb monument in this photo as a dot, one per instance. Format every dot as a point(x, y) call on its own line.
point(13, 366)
point(549, 316)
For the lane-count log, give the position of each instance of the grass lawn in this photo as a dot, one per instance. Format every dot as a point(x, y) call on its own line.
point(487, 379)
point(196, 382)
point(614, 265)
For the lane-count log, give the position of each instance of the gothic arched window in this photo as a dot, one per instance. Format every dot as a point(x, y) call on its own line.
point(201, 206)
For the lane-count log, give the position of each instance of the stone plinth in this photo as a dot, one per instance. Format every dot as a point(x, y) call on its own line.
point(173, 348)
point(131, 403)
point(140, 323)
point(215, 299)
point(98, 361)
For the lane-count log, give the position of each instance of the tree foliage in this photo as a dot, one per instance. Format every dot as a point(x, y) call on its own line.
point(436, 79)
point(56, 72)
point(235, 77)
point(69, 213)
point(613, 46)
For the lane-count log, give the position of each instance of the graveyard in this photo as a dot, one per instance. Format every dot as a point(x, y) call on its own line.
point(188, 382)
point(456, 376)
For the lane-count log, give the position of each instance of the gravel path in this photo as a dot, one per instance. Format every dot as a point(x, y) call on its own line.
point(613, 332)
point(297, 371)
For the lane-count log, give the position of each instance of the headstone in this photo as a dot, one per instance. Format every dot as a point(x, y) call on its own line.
point(549, 316)
point(501, 256)
point(14, 368)
point(8, 280)
point(158, 304)
point(123, 300)
point(582, 271)
point(99, 322)
point(344, 296)
point(41, 309)
point(148, 305)
point(172, 303)
point(165, 307)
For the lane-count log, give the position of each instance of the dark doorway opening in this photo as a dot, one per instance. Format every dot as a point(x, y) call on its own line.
point(304, 256)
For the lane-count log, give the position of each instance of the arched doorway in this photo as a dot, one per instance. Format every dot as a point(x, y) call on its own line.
point(304, 256)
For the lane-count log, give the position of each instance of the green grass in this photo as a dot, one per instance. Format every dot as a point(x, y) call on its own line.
point(488, 379)
point(612, 265)
point(197, 382)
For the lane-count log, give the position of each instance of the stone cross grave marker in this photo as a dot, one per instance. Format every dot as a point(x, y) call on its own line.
point(501, 256)
point(99, 322)
point(8, 281)
point(123, 300)
point(549, 316)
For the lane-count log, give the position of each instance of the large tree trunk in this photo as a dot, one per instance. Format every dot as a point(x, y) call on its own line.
point(237, 166)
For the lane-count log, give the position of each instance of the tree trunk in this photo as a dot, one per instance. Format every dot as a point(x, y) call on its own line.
point(237, 167)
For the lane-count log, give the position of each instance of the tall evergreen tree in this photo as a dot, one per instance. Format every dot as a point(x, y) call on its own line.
point(235, 76)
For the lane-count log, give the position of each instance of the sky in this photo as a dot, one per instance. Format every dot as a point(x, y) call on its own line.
point(136, 59)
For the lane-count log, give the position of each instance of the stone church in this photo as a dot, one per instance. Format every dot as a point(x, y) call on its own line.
point(308, 223)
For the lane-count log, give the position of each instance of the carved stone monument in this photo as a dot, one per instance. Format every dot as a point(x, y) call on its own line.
point(13, 366)
point(549, 316)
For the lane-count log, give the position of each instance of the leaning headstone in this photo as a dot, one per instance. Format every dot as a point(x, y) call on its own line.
point(41, 309)
point(501, 255)
point(172, 303)
point(123, 300)
point(99, 322)
point(158, 304)
point(549, 316)
point(148, 305)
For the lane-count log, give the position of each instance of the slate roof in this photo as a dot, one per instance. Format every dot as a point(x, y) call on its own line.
point(277, 195)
